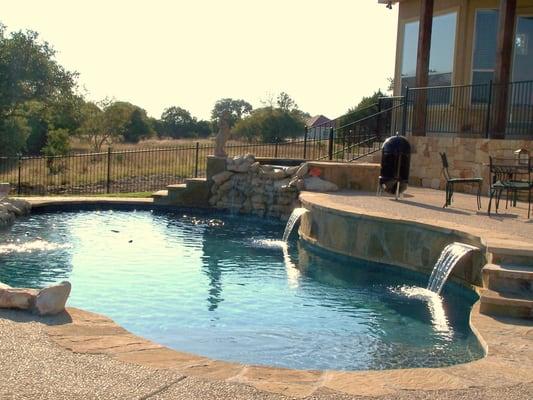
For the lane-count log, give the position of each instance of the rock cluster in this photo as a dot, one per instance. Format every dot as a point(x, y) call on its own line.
point(248, 187)
point(47, 301)
point(11, 209)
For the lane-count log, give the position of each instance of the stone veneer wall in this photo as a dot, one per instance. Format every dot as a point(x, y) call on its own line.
point(401, 243)
point(467, 158)
point(246, 186)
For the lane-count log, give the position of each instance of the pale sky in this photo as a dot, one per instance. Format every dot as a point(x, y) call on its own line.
point(326, 54)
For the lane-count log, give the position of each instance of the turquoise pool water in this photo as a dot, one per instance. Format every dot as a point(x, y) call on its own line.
point(218, 286)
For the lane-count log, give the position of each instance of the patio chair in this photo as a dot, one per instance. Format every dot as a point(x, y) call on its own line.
point(505, 176)
point(451, 182)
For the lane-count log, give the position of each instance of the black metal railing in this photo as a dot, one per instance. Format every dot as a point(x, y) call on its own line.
point(104, 172)
point(471, 110)
point(355, 140)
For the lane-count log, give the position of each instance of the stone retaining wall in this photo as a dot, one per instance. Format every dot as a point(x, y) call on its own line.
point(466, 157)
point(249, 187)
point(402, 243)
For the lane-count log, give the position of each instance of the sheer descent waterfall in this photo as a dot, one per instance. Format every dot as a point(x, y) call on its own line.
point(448, 259)
point(295, 216)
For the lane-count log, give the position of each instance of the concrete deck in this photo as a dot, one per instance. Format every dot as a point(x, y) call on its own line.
point(509, 228)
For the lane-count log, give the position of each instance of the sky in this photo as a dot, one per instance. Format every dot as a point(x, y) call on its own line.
point(189, 53)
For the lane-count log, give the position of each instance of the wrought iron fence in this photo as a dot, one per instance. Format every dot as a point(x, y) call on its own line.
point(472, 110)
point(136, 170)
point(104, 172)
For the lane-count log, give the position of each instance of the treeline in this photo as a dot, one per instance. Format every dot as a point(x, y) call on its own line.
point(41, 108)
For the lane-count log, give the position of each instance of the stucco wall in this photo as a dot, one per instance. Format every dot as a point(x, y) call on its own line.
point(467, 158)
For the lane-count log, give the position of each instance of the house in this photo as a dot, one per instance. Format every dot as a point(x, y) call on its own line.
point(464, 73)
point(318, 127)
point(469, 70)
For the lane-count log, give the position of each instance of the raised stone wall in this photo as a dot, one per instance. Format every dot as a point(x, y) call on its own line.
point(251, 188)
point(246, 186)
point(402, 243)
point(466, 157)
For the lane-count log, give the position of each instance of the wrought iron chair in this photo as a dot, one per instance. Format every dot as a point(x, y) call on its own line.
point(450, 182)
point(505, 176)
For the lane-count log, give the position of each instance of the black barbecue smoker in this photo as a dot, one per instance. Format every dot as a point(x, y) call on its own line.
point(395, 162)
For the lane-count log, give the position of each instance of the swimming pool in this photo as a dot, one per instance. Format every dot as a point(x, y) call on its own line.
point(219, 286)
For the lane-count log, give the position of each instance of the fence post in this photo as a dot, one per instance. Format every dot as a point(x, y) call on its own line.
point(489, 106)
point(196, 160)
point(305, 142)
point(276, 148)
point(330, 144)
point(404, 116)
point(19, 188)
point(108, 183)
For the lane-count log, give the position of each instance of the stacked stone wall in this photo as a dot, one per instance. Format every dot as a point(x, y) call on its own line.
point(466, 157)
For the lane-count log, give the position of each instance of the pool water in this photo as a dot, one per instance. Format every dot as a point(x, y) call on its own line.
point(222, 287)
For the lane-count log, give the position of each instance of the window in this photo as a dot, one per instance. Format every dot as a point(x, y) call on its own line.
point(484, 59)
point(485, 42)
point(523, 57)
point(441, 54)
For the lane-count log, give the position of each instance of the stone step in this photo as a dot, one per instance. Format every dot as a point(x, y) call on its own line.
point(159, 194)
point(506, 304)
point(175, 192)
point(510, 256)
point(196, 183)
point(508, 278)
point(177, 187)
point(160, 197)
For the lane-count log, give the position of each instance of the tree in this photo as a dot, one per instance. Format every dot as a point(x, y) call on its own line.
point(137, 127)
point(13, 134)
point(109, 121)
point(236, 109)
point(92, 126)
point(285, 102)
point(202, 128)
point(177, 122)
point(269, 125)
point(29, 73)
point(57, 143)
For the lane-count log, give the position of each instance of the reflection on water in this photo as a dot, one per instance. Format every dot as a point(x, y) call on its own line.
point(31, 246)
point(224, 287)
point(293, 273)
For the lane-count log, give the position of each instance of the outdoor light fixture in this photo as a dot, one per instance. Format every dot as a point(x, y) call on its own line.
point(387, 2)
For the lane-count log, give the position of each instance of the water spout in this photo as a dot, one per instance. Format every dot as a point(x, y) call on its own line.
point(448, 259)
point(295, 216)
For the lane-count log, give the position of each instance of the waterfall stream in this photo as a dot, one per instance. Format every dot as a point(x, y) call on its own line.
point(295, 216)
point(448, 259)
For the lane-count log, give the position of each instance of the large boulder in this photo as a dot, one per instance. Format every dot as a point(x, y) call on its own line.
point(52, 300)
point(221, 177)
point(6, 218)
point(316, 184)
point(20, 298)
